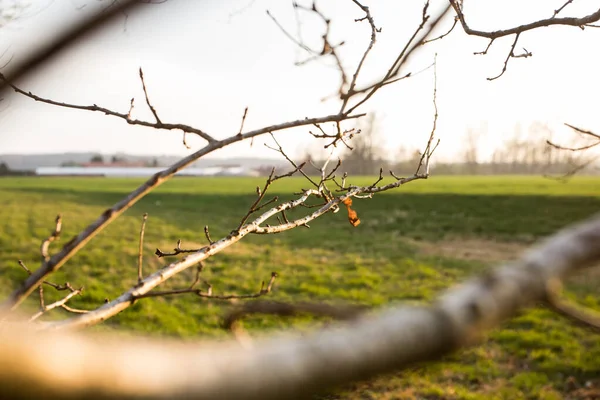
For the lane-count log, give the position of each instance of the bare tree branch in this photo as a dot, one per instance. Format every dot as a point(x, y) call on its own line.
point(243, 120)
point(557, 146)
point(584, 131)
point(127, 117)
point(430, 148)
point(176, 251)
point(327, 49)
point(411, 45)
point(580, 165)
point(369, 18)
point(511, 54)
point(142, 288)
point(150, 106)
point(570, 21)
point(557, 11)
point(443, 35)
point(492, 35)
point(280, 368)
point(56, 304)
point(208, 295)
point(77, 242)
point(65, 286)
point(53, 236)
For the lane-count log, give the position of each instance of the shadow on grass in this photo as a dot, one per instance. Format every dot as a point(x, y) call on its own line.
point(430, 217)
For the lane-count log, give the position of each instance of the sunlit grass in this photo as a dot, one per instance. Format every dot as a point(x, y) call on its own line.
point(378, 263)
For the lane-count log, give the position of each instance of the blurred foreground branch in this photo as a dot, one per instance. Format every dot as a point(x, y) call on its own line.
point(61, 365)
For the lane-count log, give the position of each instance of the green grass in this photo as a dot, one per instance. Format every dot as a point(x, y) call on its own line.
point(380, 262)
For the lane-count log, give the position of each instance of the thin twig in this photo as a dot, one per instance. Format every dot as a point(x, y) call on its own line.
point(73, 310)
point(557, 11)
point(368, 17)
point(508, 57)
point(150, 106)
point(207, 234)
point(411, 45)
point(442, 35)
point(484, 52)
point(289, 36)
point(55, 235)
point(41, 294)
point(65, 286)
point(176, 251)
point(298, 168)
point(141, 248)
point(425, 157)
point(584, 131)
point(58, 303)
point(243, 120)
point(263, 291)
point(574, 149)
point(197, 279)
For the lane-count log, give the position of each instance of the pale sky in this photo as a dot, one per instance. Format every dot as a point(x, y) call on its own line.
point(206, 60)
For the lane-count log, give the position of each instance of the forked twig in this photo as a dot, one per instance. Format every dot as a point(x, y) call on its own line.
point(176, 251)
point(56, 304)
point(209, 295)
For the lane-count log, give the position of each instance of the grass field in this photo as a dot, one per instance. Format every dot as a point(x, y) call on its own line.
point(411, 244)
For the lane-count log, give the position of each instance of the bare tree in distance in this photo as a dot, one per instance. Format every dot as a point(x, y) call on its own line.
point(275, 367)
point(367, 154)
point(471, 150)
point(585, 141)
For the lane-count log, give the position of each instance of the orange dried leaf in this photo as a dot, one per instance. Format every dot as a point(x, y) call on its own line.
point(352, 216)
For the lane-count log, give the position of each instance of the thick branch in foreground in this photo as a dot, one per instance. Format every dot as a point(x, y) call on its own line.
point(54, 46)
point(59, 365)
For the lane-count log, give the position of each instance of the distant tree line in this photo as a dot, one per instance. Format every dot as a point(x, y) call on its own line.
point(528, 154)
point(6, 171)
